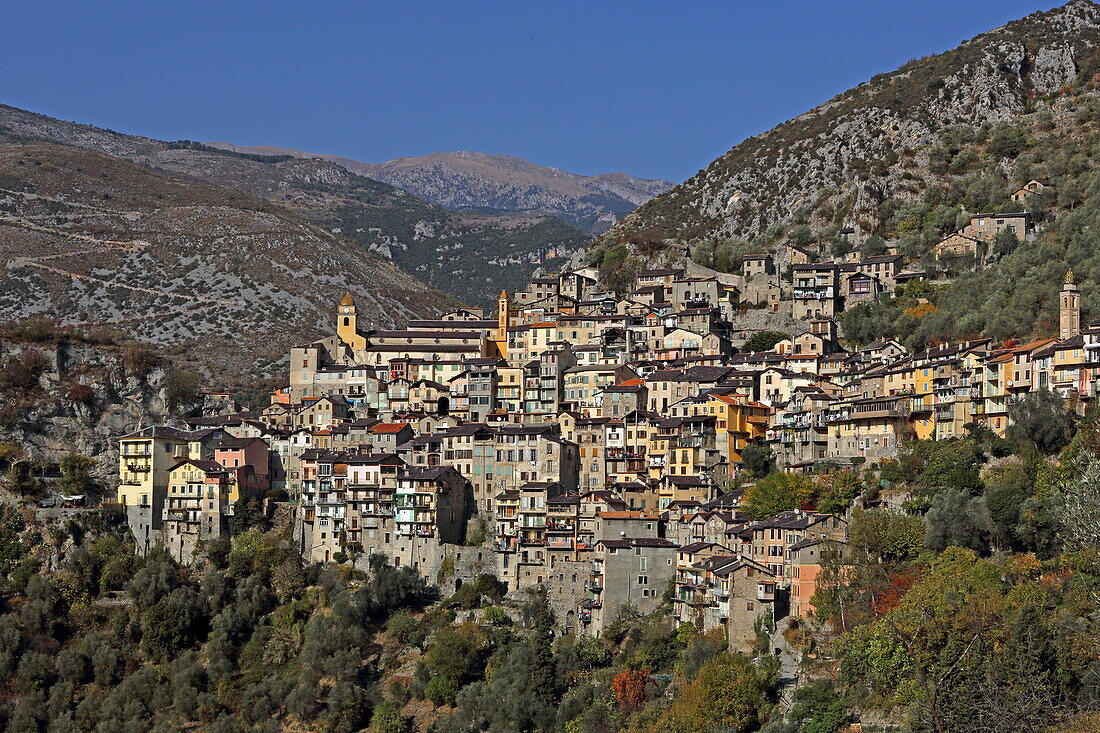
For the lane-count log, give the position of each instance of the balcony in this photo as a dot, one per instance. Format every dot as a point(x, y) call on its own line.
point(137, 453)
point(595, 585)
point(559, 543)
point(765, 592)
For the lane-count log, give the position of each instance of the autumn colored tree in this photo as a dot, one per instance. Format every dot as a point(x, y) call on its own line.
point(629, 689)
point(727, 693)
point(836, 490)
point(971, 639)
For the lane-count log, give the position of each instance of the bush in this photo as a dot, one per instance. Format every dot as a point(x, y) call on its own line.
point(20, 373)
point(778, 492)
point(726, 693)
point(80, 393)
point(763, 341)
point(387, 718)
point(757, 460)
point(139, 359)
point(1041, 419)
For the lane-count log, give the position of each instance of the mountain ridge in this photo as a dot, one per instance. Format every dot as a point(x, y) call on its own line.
point(498, 183)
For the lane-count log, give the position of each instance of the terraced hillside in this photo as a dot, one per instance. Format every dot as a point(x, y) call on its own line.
point(224, 280)
point(469, 255)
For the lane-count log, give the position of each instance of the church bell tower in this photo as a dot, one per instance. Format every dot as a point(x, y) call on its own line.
point(1069, 309)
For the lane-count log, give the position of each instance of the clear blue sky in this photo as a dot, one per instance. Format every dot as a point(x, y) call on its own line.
point(653, 89)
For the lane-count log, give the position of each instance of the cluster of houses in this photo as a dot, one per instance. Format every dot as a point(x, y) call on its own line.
point(588, 443)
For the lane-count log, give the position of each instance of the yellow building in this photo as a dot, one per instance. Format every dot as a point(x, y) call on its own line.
point(738, 420)
point(199, 493)
point(146, 456)
point(145, 459)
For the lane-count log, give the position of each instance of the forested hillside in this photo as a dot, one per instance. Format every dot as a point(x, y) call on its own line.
point(1015, 297)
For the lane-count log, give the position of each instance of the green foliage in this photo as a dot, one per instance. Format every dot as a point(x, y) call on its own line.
point(247, 514)
point(726, 693)
point(725, 256)
point(387, 718)
point(836, 490)
point(618, 269)
point(75, 473)
point(181, 388)
point(757, 460)
point(1042, 419)
point(958, 519)
point(818, 708)
point(453, 659)
point(886, 535)
point(1006, 141)
point(255, 552)
point(968, 641)
point(929, 466)
point(763, 340)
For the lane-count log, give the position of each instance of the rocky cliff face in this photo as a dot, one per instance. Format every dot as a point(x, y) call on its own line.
point(50, 420)
point(834, 166)
point(479, 182)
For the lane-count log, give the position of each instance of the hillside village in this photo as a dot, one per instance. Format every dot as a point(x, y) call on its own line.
point(594, 445)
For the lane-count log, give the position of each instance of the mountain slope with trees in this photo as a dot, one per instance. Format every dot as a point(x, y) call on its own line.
point(838, 163)
point(904, 159)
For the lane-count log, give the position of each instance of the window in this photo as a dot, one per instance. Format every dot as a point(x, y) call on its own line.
point(643, 580)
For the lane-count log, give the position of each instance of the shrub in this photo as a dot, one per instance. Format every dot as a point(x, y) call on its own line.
point(80, 393)
point(20, 373)
point(139, 359)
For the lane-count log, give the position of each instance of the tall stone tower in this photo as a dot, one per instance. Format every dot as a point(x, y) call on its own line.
point(1069, 309)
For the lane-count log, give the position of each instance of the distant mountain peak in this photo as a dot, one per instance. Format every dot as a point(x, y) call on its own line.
point(467, 180)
